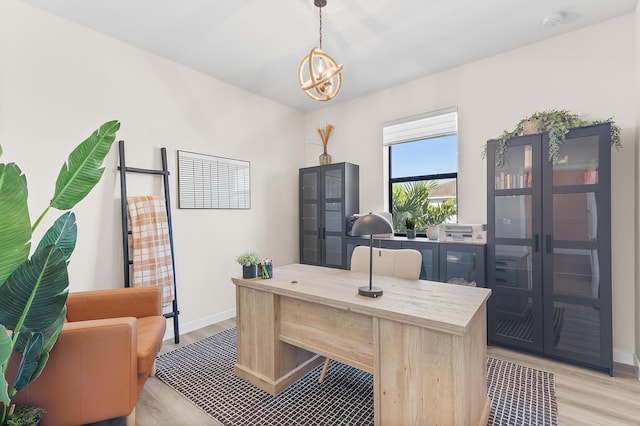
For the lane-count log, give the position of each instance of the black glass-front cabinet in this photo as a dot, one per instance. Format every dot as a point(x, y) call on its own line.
point(328, 195)
point(549, 247)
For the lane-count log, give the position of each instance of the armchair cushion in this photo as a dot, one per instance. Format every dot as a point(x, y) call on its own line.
point(150, 333)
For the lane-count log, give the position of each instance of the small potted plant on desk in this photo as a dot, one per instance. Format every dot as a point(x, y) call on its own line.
point(410, 224)
point(249, 262)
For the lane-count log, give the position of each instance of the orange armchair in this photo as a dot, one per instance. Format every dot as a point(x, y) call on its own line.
point(102, 358)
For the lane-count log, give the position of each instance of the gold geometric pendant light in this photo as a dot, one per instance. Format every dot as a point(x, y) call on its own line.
point(319, 75)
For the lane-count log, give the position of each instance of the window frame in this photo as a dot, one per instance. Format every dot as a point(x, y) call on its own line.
point(419, 128)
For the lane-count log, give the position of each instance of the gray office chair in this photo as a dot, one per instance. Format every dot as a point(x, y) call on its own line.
point(400, 263)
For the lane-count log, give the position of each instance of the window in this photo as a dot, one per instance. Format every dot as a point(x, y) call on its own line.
point(423, 169)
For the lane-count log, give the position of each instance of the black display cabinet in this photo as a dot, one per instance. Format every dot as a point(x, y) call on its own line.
point(328, 195)
point(549, 247)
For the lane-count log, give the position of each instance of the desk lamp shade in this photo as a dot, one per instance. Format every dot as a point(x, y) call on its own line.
point(371, 224)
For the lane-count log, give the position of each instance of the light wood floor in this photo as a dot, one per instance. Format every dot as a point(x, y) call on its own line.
point(585, 397)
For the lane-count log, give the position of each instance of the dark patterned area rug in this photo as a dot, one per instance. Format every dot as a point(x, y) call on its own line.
point(203, 373)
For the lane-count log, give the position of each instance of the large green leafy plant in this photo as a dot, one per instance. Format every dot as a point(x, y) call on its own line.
point(34, 289)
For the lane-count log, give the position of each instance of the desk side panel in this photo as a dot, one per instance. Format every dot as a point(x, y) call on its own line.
point(255, 313)
point(470, 384)
point(414, 375)
point(426, 376)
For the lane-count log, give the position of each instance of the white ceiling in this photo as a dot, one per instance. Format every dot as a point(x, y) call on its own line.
point(258, 45)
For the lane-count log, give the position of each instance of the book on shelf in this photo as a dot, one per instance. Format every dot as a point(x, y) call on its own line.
point(527, 156)
point(590, 177)
point(514, 180)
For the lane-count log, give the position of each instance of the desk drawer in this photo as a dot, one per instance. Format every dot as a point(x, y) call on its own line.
point(339, 334)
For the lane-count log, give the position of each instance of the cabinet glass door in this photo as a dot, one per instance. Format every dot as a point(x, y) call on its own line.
point(513, 302)
point(309, 185)
point(310, 226)
point(514, 263)
point(516, 171)
point(333, 201)
point(429, 252)
point(334, 216)
point(428, 270)
point(310, 233)
point(460, 264)
point(513, 216)
point(572, 245)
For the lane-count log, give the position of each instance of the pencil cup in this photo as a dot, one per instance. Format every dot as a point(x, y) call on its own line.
point(266, 269)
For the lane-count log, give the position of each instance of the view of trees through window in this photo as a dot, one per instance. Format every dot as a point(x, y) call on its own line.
point(411, 199)
point(423, 182)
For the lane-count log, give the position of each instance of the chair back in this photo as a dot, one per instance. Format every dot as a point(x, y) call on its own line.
point(400, 263)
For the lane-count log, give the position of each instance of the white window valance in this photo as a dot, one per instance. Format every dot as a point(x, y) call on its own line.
point(424, 126)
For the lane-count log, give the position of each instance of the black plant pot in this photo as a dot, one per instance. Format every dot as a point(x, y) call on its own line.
point(411, 234)
point(249, 271)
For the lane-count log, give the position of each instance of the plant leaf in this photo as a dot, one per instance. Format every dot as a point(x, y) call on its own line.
point(36, 292)
point(5, 354)
point(29, 363)
point(15, 225)
point(82, 170)
point(49, 338)
point(62, 234)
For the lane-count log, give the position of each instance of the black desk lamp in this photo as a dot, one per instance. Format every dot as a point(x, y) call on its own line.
point(370, 224)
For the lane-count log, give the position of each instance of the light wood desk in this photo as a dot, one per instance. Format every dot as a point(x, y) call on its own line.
point(424, 341)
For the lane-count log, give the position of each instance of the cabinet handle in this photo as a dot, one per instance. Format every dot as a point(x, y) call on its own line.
point(324, 233)
point(535, 243)
point(548, 243)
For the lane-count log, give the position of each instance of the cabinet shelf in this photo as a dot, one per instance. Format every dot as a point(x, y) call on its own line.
point(513, 191)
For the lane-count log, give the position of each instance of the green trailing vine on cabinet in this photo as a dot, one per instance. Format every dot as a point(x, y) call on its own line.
point(557, 124)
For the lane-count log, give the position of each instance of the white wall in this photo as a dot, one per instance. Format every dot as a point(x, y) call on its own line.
point(590, 72)
point(637, 180)
point(59, 81)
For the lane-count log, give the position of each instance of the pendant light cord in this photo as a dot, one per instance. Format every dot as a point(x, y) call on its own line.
point(320, 27)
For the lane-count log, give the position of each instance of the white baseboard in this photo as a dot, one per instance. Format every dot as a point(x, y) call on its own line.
point(194, 325)
point(623, 357)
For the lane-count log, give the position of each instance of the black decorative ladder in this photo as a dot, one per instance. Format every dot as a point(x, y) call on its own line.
point(127, 262)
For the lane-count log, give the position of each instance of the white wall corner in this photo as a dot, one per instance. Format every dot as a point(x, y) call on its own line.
point(636, 365)
point(195, 325)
